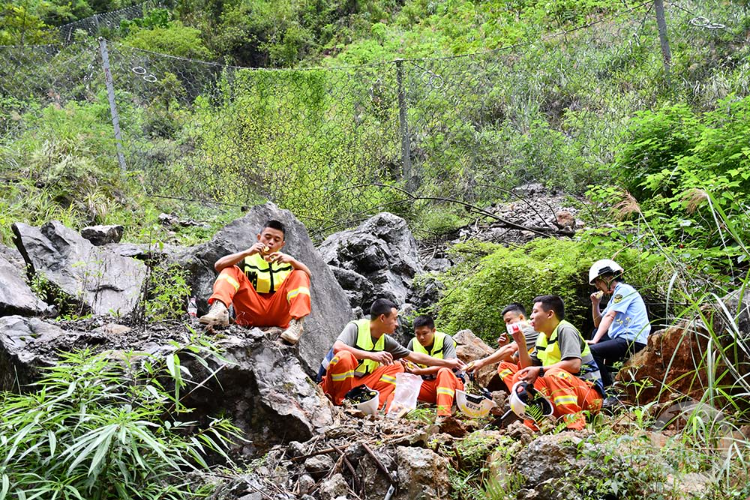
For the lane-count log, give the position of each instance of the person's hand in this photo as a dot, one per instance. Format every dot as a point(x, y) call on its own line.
point(519, 337)
point(591, 342)
point(455, 364)
point(382, 357)
point(410, 367)
point(279, 258)
point(596, 297)
point(258, 247)
point(529, 374)
point(502, 339)
point(475, 366)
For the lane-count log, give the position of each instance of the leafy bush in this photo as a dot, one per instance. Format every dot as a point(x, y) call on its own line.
point(491, 276)
point(104, 428)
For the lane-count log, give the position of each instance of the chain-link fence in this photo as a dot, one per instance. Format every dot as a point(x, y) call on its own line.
point(105, 24)
point(337, 144)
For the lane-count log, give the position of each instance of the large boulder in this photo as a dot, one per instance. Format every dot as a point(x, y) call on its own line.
point(25, 347)
point(382, 252)
point(101, 281)
point(258, 383)
point(469, 347)
point(422, 473)
point(16, 297)
point(330, 310)
point(101, 235)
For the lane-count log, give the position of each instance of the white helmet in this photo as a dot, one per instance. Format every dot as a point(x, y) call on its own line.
point(604, 266)
point(527, 402)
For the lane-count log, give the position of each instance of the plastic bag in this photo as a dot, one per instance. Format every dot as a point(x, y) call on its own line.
point(405, 396)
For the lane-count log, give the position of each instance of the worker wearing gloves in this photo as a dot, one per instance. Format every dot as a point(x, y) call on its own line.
point(364, 354)
point(266, 287)
point(439, 384)
point(623, 326)
point(561, 367)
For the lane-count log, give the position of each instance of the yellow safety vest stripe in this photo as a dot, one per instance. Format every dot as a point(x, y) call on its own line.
point(265, 276)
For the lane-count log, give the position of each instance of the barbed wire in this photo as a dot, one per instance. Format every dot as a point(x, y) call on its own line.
point(324, 142)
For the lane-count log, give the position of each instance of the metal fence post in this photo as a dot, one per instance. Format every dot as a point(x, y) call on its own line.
point(661, 23)
point(112, 104)
point(403, 125)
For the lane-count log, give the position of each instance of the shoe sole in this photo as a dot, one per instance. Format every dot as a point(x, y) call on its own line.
point(287, 339)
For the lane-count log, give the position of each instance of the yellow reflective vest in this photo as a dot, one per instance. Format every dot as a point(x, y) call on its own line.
point(265, 276)
point(548, 352)
point(437, 350)
point(364, 343)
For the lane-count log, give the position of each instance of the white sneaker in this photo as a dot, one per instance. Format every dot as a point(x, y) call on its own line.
point(293, 331)
point(218, 315)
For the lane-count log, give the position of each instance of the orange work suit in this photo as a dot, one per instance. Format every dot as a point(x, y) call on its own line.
point(441, 390)
point(290, 301)
point(340, 378)
point(568, 394)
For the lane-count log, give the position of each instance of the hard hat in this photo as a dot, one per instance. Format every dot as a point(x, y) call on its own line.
point(604, 266)
point(365, 399)
point(527, 402)
point(472, 405)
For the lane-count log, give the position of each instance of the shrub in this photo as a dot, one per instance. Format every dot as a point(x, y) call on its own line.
point(102, 428)
point(491, 276)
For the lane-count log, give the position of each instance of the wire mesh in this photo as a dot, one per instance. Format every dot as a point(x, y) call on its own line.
point(105, 24)
point(337, 144)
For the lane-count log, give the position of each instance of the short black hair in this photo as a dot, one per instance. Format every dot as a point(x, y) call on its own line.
point(381, 306)
point(515, 307)
point(274, 224)
point(427, 321)
point(553, 302)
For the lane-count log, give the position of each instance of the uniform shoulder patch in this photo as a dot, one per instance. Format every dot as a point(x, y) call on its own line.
point(617, 298)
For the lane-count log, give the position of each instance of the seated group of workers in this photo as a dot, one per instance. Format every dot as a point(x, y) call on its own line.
point(269, 288)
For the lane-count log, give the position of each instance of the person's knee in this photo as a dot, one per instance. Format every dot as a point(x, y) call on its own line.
point(300, 275)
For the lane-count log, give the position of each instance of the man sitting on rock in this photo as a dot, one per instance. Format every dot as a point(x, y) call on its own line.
point(266, 287)
point(439, 384)
point(364, 354)
point(514, 316)
point(561, 367)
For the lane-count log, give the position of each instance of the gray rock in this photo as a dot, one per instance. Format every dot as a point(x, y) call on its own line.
point(422, 473)
point(20, 360)
point(13, 256)
point(306, 483)
point(548, 457)
point(144, 251)
point(438, 264)
point(265, 391)
point(383, 251)
point(16, 297)
point(101, 235)
point(333, 488)
point(100, 280)
point(330, 306)
point(319, 465)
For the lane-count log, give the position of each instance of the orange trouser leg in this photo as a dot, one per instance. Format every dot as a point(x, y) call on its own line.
point(570, 396)
point(507, 372)
point(291, 300)
point(441, 390)
point(340, 378)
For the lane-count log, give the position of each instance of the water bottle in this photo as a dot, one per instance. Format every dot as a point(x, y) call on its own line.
point(192, 311)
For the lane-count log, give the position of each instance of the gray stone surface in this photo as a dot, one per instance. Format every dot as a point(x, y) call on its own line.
point(422, 473)
point(16, 297)
point(333, 488)
point(101, 235)
point(330, 306)
point(383, 251)
point(24, 350)
point(99, 280)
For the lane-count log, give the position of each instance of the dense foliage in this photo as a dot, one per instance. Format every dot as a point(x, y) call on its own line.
point(489, 277)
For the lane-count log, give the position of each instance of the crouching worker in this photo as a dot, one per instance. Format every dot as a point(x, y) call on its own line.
point(514, 316)
point(364, 353)
point(561, 367)
point(439, 384)
point(266, 287)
